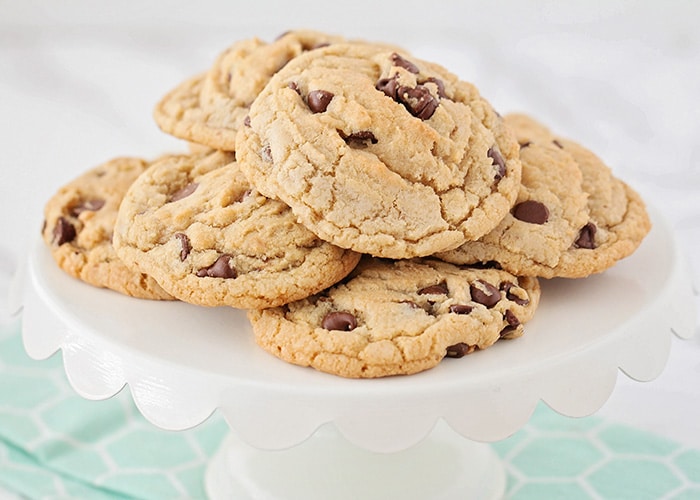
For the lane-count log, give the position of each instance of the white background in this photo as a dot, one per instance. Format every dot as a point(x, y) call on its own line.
point(79, 79)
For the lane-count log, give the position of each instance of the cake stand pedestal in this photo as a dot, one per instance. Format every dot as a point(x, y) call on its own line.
point(299, 433)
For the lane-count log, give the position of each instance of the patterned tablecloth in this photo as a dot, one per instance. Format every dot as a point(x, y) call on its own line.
point(77, 87)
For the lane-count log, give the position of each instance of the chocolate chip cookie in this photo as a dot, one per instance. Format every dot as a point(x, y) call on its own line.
point(380, 152)
point(210, 107)
point(398, 317)
point(79, 222)
point(195, 224)
point(572, 218)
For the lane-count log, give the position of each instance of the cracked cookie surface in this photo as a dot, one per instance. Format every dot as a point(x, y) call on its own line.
point(194, 223)
point(380, 152)
point(210, 107)
point(79, 223)
point(573, 217)
point(398, 317)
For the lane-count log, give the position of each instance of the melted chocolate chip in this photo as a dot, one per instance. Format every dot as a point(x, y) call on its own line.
point(318, 100)
point(339, 320)
point(459, 350)
point(510, 318)
point(586, 237)
point(507, 286)
point(512, 324)
point(525, 144)
point(531, 211)
point(484, 293)
point(184, 192)
point(63, 232)
point(557, 144)
point(489, 264)
point(439, 289)
point(397, 60)
point(461, 309)
point(507, 331)
point(87, 206)
point(418, 101)
point(221, 268)
point(498, 161)
point(185, 246)
point(389, 86)
point(439, 84)
point(359, 139)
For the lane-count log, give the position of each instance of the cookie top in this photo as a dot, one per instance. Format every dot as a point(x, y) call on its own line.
point(572, 218)
point(380, 152)
point(79, 222)
point(194, 223)
point(398, 317)
point(210, 107)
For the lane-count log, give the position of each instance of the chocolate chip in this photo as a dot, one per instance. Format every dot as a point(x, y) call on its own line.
point(221, 268)
point(339, 320)
point(484, 293)
point(512, 323)
point(418, 101)
point(489, 264)
point(439, 84)
point(389, 86)
point(510, 318)
point(185, 246)
point(459, 350)
point(461, 309)
point(318, 100)
point(184, 192)
point(439, 289)
point(507, 286)
point(63, 232)
point(586, 237)
point(246, 121)
point(525, 144)
point(557, 144)
point(294, 87)
point(397, 60)
point(498, 161)
point(531, 211)
point(87, 206)
point(359, 139)
point(507, 331)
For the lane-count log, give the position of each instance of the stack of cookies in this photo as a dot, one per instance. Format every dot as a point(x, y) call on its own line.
point(372, 212)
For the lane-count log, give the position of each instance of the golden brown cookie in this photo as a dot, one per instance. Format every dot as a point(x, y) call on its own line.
point(210, 107)
point(398, 317)
point(194, 223)
point(572, 218)
point(380, 152)
point(79, 223)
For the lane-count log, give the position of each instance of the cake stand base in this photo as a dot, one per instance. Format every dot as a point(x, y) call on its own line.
point(444, 465)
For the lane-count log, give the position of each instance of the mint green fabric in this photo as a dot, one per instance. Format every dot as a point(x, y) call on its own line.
point(55, 444)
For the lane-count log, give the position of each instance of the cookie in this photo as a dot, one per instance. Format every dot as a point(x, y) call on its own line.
point(210, 107)
point(380, 152)
point(572, 218)
point(194, 223)
point(398, 317)
point(79, 222)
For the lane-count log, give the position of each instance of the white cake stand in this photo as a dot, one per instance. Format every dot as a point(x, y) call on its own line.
point(298, 433)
